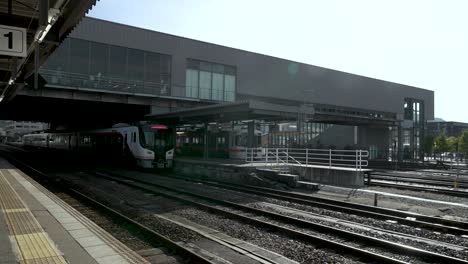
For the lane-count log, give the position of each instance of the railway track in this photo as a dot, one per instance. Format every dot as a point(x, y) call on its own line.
point(436, 180)
point(434, 190)
point(402, 217)
point(249, 249)
point(353, 250)
point(245, 213)
point(443, 186)
point(187, 254)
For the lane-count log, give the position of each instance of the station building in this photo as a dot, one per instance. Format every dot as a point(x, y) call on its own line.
point(449, 128)
point(308, 106)
point(15, 129)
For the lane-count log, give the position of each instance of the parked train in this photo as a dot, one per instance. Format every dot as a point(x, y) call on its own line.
point(230, 143)
point(149, 145)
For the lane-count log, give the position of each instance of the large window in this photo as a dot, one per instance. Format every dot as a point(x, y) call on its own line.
point(100, 62)
point(412, 137)
point(229, 88)
point(217, 89)
point(135, 64)
point(86, 64)
point(192, 83)
point(118, 62)
point(210, 81)
point(79, 56)
point(59, 59)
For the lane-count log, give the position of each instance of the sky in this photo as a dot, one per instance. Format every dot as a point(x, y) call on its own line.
point(422, 43)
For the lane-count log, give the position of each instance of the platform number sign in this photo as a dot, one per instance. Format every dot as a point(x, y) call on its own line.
point(12, 41)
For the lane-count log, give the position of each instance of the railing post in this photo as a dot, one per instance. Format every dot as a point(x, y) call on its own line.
point(307, 157)
point(266, 155)
point(329, 158)
point(277, 158)
point(356, 159)
point(252, 154)
point(360, 159)
point(287, 155)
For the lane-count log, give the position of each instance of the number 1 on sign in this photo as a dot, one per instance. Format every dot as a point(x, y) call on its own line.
point(9, 35)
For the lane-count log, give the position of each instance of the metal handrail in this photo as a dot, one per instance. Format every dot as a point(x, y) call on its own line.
point(292, 158)
point(307, 157)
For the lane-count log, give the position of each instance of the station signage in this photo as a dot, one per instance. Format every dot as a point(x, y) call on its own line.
point(13, 41)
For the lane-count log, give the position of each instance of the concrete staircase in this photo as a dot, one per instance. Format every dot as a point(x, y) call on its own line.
point(291, 180)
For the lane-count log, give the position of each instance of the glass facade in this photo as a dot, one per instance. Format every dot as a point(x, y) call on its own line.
point(210, 81)
point(86, 64)
point(412, 136)
point(290, 135)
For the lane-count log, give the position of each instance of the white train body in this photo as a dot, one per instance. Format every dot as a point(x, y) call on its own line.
point(131, 135)
point(150, 146)
point(36, 140)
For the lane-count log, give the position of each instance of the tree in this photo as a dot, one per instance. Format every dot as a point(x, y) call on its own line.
point(441, 144)
point(428, 145)
point(452, 144)
point(463, 144)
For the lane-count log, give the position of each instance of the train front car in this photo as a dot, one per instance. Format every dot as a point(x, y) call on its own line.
point(160, 140)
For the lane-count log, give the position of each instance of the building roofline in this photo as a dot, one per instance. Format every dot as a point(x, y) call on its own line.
point(251, 52)
point(447, 122)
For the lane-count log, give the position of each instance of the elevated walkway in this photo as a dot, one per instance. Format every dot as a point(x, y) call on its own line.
point(38, 227)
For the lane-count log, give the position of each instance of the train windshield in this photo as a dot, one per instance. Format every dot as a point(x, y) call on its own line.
point(156, 137)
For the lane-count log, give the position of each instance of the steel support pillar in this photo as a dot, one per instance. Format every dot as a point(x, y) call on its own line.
point(355, 136)
point(400, 143)
point(205, 143)
point(251, 135)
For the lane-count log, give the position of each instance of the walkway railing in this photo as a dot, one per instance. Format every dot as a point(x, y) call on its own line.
point(305, 157)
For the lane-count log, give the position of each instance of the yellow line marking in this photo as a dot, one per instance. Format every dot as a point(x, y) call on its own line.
point(26, 234)
point(16, 210)
point(42, 249)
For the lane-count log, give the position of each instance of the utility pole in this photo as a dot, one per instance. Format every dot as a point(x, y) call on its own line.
point(455, 184)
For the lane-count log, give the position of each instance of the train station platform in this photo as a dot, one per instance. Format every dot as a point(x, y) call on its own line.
point(38, 227)
point(298, 175)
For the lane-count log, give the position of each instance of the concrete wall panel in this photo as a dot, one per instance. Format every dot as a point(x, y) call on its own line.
point(261, 75)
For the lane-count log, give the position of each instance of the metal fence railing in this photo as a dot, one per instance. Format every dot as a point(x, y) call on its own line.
point(304, 157)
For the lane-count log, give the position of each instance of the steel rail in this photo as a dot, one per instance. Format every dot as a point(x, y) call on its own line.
point(445, 181)
point(147, 232)
point(396, 247)
point(378, 182)
point(407, 218)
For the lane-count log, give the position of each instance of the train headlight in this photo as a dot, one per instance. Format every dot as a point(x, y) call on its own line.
point(170, 154)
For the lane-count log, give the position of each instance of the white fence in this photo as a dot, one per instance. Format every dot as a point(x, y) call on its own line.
point(304, 157)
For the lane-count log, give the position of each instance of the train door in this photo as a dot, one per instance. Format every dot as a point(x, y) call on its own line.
point(126, 144)
point(222, 145)
point(218, 144)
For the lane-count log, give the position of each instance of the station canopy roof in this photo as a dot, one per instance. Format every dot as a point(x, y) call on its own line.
point(260, 110)
point(237, 111)
point(47, 24)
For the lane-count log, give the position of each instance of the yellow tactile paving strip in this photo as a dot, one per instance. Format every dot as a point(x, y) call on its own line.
point(26, 234)
point(40, 193)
